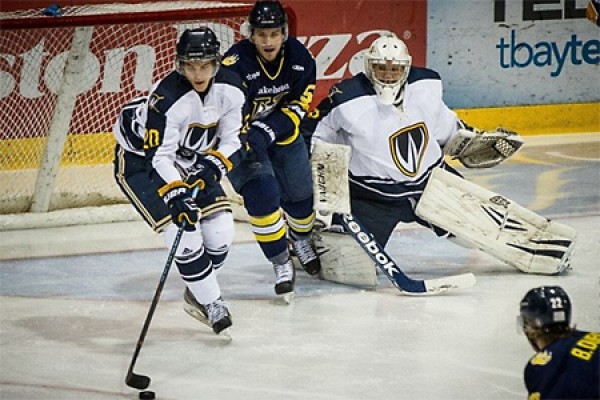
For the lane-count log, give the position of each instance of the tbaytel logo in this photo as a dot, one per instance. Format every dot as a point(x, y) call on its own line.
point(518, 53)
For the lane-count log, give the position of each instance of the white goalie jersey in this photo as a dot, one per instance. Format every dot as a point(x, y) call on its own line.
point(393, 149)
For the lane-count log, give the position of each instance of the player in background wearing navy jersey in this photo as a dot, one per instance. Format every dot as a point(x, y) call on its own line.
point(566, 364)
point(186, 134)
point(275, 178)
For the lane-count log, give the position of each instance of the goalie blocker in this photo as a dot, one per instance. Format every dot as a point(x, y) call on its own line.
point(496, 225)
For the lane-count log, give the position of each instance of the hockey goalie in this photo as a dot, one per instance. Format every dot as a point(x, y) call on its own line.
point(398, 133)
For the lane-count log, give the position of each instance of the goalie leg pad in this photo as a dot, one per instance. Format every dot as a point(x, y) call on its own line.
point(344, 261)
point(497, 225)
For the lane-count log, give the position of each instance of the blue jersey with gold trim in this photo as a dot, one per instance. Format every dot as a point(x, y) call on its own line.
point(568, 368)
point(280, 92)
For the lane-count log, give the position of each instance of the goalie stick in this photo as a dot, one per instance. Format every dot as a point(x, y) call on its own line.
point(393, 272)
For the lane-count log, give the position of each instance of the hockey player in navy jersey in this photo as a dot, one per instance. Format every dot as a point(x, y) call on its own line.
point(566, 364)
point(275, 178)
point(186, 134)
point(399, 131)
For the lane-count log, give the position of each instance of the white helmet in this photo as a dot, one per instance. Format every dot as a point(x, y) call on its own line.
point(387, 64)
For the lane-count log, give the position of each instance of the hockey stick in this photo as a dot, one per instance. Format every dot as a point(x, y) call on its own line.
point(134, 380)
point(393, 272)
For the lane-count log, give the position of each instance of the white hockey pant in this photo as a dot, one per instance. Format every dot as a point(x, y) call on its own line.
point(201, 252)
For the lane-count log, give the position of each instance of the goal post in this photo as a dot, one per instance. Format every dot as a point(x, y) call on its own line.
point(63, 80)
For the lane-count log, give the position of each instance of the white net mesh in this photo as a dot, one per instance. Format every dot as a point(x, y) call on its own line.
point(121, 62)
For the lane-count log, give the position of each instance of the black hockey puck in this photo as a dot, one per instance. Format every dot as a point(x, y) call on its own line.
point(147, 395)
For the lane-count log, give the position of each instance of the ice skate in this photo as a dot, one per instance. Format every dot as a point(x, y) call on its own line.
point(304, 249)
point(215, 314)
point(285, 276)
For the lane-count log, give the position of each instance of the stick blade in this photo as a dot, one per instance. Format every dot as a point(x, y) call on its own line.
point(442, 285)
point(137, 381)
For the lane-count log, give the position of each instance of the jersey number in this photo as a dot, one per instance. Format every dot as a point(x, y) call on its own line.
point(151, 138)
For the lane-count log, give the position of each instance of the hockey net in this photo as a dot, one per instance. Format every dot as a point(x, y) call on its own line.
point(63, 80)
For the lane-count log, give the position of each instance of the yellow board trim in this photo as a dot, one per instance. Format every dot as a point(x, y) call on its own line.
point(537, 120)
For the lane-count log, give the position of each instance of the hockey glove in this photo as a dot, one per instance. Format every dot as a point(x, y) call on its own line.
point(178, 197)
point(204, 174)
point(260, 137)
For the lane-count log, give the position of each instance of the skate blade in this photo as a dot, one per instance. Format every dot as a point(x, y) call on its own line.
point(225, 334)
point(194, 313)
point(286, 298)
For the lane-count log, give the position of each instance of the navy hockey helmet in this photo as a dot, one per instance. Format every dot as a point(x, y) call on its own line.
point(268, 14)
point(198, 44)
point(547, 308)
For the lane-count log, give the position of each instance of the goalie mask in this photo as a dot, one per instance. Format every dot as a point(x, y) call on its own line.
point(545, 311)
point(199, 44)
point(387, 64)
point(268, 14)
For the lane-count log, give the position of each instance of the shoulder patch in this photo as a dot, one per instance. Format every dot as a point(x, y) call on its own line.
point(154, 100)
point(541, 358)
point(230, 60)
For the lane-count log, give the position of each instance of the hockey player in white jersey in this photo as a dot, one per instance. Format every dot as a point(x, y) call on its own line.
point(185, 134)
point(399, 130)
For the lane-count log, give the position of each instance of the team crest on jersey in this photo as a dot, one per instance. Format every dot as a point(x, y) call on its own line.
point(198, 137)
point(541, 358)
point(408, 146)
point(230, 60)
point(333, 91)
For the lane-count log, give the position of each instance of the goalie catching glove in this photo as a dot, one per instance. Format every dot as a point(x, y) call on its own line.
point(178, 197)
point(480, 149)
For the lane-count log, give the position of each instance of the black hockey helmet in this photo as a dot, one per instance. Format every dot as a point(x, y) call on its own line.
point(268, 14)
point(547, 308)
point(198, 44)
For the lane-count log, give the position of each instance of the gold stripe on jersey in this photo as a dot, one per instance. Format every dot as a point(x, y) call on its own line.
point(262, 66)
point(268, 228)
point(303, 225)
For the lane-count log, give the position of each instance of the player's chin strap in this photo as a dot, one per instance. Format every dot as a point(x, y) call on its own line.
point(480, 149)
